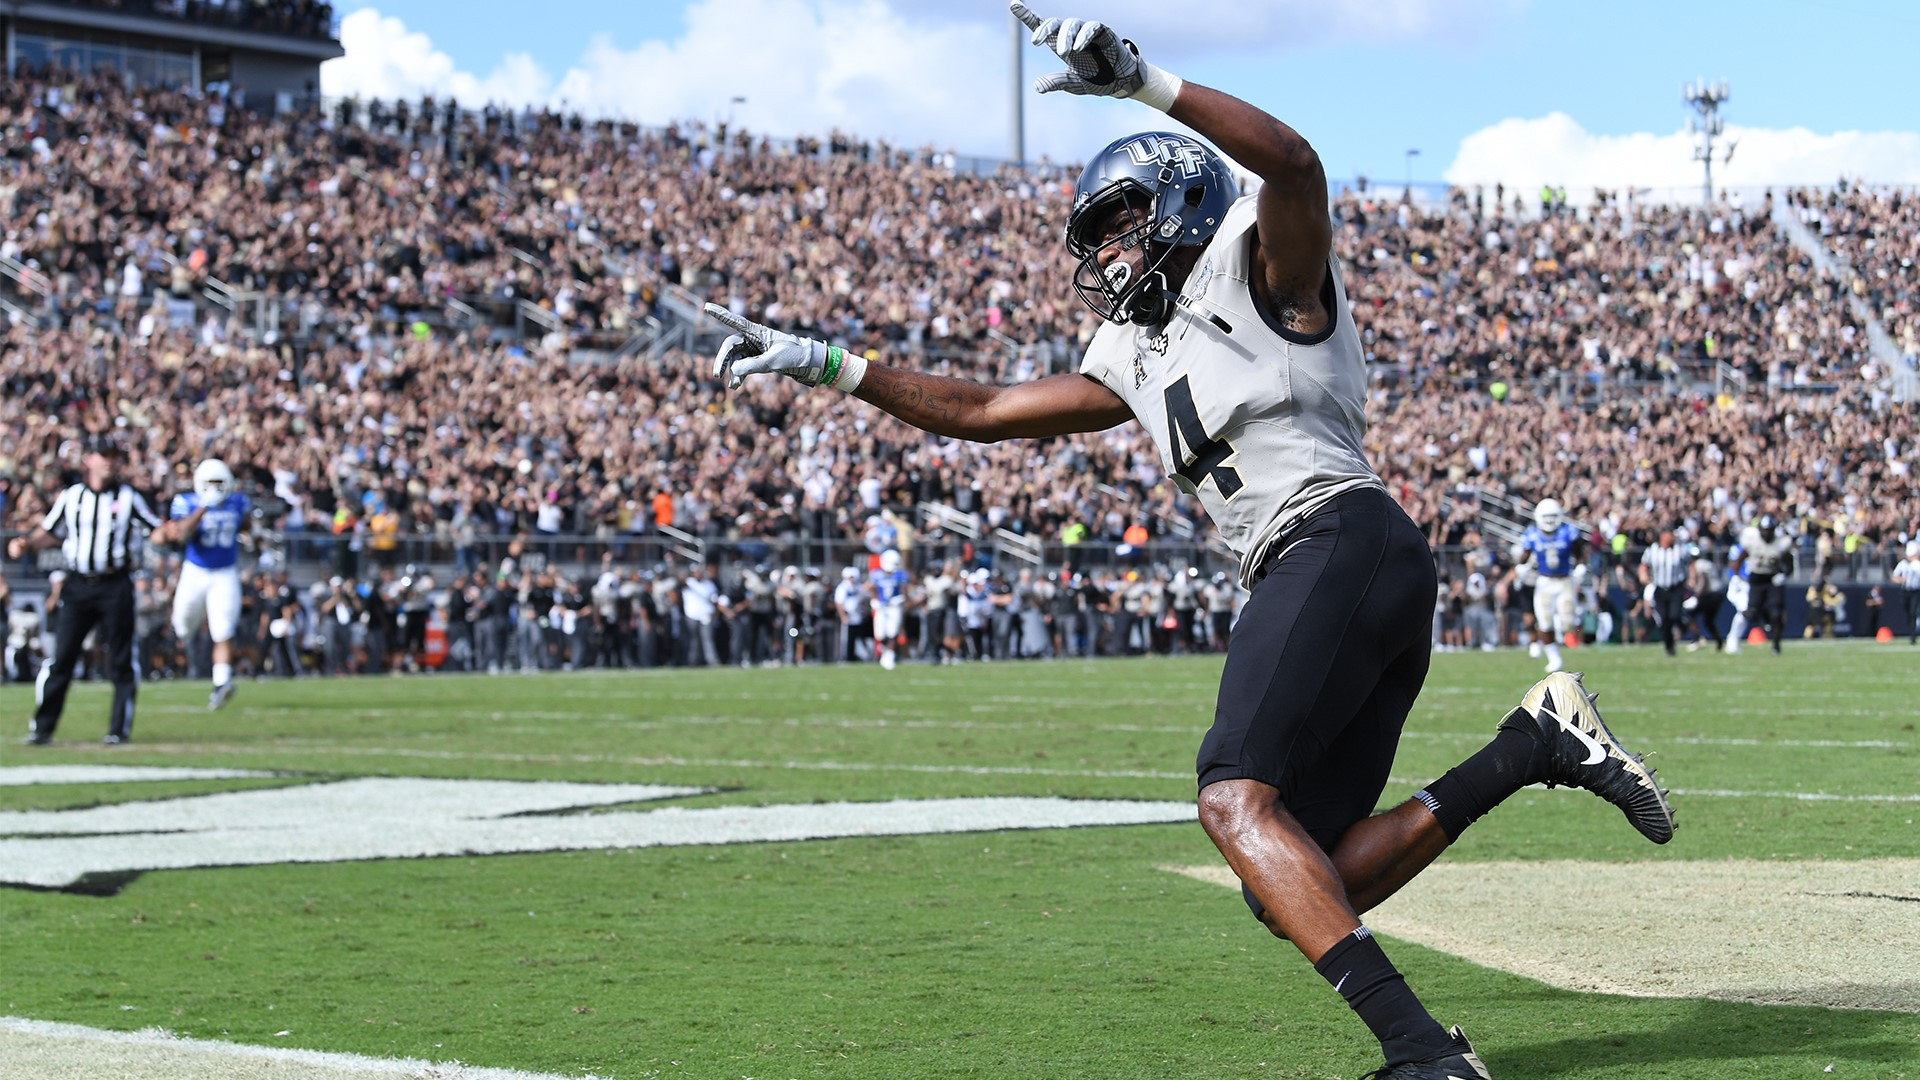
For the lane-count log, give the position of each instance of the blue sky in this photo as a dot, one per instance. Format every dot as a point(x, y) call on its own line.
point(1365, 80)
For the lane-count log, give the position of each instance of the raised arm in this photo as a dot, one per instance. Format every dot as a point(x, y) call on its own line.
point(1295, 231)
point(956, 408)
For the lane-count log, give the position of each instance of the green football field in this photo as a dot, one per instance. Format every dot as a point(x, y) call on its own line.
point(1777, 936)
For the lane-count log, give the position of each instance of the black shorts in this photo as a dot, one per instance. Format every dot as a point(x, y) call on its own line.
point(1325, 662)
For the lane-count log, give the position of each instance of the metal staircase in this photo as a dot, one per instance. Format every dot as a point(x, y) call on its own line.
point(1902, 382)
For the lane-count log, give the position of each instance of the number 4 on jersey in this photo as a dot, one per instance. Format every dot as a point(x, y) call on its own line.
point(1207, 456)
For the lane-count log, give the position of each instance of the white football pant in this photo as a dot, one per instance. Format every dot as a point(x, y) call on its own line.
point(1553, 604)
point(209, 595)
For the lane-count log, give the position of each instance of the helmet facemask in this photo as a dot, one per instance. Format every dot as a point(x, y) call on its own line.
point(1157, 192)
point(212, 481)
point(1117, 292)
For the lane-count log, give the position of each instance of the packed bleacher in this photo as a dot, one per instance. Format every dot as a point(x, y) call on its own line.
point(300, 18)
point(1649, 365)
point(1875, 230)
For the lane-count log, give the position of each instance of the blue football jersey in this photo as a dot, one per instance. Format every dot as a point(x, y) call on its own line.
point(215, 545)
point(888, 588)
point(1552, 552)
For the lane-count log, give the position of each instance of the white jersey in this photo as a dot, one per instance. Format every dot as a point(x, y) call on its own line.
point(1264, 425)
point(1766, 558)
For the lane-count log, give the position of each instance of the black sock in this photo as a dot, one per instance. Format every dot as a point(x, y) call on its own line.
point(1377, 992)
point(1510, 762)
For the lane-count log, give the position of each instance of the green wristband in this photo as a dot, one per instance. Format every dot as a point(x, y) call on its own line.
point(835, 357)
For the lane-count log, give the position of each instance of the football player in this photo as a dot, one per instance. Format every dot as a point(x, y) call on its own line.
point(1228, 337)
point(1556, 550)
point(888, 586)
point(1763, 560)
point(214, 519)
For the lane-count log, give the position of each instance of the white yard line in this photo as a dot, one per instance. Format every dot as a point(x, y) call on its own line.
point(314, 746)
point(48, 1051)
point(23, 775)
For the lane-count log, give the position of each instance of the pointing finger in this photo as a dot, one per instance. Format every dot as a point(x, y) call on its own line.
point(1025, 14)
point(731, 320)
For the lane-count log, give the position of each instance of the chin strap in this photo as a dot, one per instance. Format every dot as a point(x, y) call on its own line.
point(1153, 304)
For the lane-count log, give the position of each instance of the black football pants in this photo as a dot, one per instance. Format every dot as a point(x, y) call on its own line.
point(105, 602)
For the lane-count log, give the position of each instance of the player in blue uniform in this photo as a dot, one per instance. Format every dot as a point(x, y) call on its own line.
point(215, 518)
point(1554, 545)
point(889, 583)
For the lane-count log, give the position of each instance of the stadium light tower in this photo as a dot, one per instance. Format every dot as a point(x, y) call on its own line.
point(1705, 98)
point(1412, 152)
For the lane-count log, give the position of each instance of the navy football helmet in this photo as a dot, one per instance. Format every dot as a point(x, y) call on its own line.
point(1158, 191)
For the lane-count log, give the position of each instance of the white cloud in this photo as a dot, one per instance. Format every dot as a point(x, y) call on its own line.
point(925, 72)
point(1266, 26)
point(386, 60)
point(858, 65)
point(1556, 149)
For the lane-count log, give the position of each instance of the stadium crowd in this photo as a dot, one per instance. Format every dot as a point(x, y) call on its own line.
point(1876, 231)
point(1564, 353)
point(305, 18)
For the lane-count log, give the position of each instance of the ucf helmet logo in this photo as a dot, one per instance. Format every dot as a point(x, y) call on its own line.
point(1183, 154)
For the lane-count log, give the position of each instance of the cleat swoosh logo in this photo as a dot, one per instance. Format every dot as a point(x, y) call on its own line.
point(1595, 752)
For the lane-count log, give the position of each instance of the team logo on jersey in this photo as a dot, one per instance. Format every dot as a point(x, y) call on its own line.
point(1156, 344)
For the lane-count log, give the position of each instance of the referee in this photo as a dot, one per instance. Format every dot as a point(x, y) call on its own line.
point(1664, 566)
point(1907, 574)
point(93, 523)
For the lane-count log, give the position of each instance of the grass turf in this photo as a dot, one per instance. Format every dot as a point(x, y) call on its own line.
point(1011, 954)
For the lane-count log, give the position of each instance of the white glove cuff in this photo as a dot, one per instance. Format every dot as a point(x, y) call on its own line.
point(1157, 88)
point(853, 368)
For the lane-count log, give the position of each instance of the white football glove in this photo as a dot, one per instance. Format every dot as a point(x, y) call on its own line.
point(1100, 62)
point(754, 349)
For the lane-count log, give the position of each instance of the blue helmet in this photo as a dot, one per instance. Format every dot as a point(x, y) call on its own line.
point(1156, 190)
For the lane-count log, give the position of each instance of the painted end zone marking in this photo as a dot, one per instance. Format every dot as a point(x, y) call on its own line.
point(49, 1051)
point(90, 848)
point(1831, 934)
point(23, 775)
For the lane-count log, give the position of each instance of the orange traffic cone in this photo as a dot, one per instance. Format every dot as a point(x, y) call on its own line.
point(1756, 636)
point(1885, 633)
point(1572, 639)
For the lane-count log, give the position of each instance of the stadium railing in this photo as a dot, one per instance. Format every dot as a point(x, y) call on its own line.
point(316, 556)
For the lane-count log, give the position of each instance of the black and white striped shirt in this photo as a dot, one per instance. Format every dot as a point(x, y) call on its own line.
point(1907, 573)
point(96, 527)
point(1666, 566)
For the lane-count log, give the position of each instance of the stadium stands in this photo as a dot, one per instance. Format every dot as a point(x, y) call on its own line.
point(430, 317)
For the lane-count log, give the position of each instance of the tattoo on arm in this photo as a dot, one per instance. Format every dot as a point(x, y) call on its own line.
point(929, 402)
